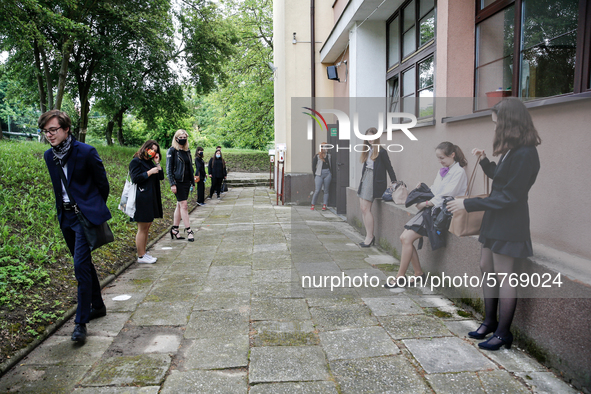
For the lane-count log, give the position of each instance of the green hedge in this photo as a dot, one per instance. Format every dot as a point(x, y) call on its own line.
point(241, 160)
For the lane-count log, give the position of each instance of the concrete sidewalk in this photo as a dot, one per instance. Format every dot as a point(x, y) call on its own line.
point(227, 314)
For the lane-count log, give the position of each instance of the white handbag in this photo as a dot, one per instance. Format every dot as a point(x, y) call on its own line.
point(127, 203)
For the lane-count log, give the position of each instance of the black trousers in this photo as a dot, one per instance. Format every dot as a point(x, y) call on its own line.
point(89, 288)
point(216, 185)
point(201, 192)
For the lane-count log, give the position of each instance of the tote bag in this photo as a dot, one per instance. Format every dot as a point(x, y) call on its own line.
point(400, 193)
point(466, 223)
point(127, 203)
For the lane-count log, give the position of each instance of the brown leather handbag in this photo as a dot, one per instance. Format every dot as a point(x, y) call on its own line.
point(464, 223)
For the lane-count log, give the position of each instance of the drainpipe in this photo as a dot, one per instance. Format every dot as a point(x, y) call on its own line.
point(313, 71)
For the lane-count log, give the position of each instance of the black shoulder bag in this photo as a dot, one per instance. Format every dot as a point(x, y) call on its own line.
point(96, 236)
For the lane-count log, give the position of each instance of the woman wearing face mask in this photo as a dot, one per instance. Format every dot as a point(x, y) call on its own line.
point(179, 168)
point(451, 180)
point(146, 173)
point(200, 172)
point(217, 173)
point(376, 164)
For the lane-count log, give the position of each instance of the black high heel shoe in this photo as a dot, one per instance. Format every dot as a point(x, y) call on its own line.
point(507, 342)
point(174, 233)
point(482, 335)
point(364, 245)
point(395, 284)
point(190, 236)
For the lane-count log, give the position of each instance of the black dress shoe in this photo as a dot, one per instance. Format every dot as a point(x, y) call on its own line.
point(96, 313)
point(481, 335)
point(364, 245)
point(79, 334)
point(495, 342)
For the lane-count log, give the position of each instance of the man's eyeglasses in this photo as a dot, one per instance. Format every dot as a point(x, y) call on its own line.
point(51, 131)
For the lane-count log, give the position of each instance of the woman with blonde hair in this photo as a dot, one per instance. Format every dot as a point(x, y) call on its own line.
point(376, 164)
point(179, 168)
point(322, 175)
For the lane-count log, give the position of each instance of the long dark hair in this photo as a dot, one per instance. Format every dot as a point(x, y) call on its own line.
point(448, 148)
point(142, 152)
point(515, 127)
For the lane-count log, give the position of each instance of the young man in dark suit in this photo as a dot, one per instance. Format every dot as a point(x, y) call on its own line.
point(89, 188)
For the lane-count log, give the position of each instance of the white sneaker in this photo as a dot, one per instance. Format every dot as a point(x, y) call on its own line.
point(145, 260)
point(150, 256)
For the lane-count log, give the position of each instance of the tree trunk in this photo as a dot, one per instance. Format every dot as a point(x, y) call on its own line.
point(109, 132)
point(84, 119)
point(119, 118)
point(48, 80)
point(40, 84)
point(61, 85)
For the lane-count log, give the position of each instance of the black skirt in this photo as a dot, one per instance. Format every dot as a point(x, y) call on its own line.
point(182, 191)
point(518, 250)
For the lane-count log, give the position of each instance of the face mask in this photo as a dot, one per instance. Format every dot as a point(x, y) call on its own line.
point(218, 156)
point(150, 153)
point(181, 141)
point(201, 153)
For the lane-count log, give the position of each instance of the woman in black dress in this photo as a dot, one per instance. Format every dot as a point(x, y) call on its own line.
point(179, 168)
point(146, 173)
point(217, 173)
point(200, 172)
point(504, 233)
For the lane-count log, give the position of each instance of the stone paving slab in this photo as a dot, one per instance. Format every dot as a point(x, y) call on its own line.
point(545, 383)
point(205, 382)
point(451, 354)
point(142, 370)
point(342, 317)
point(357, 343)
point(392, 306)
point(162, 314)
point(294, 388)
point(118, 390)
point(393, 374)
point(216, 353)
point(58, 350)
point(287, 364)
point(217, 323)
point(284, 333)
point(514, 360)
point(107, 326)
point(413, 326)
point(34, 379)
point(227, 300)
point(128, 301)
point(136, 340)
point(279, 309)
point(453, 383)
point(501, 382)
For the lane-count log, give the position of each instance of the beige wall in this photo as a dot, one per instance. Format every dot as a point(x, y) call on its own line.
point(338, 8)
point(294, 69)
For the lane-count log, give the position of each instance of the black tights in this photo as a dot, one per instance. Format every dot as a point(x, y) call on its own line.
point(502, 297)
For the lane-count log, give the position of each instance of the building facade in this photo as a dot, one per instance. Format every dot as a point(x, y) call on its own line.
point(448, 62)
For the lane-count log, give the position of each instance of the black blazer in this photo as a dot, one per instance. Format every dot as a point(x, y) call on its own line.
point(381, 165)
point(148, 199)
point(506, 216)
point(87, 182)
point(200, 168)
point(315, 163)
